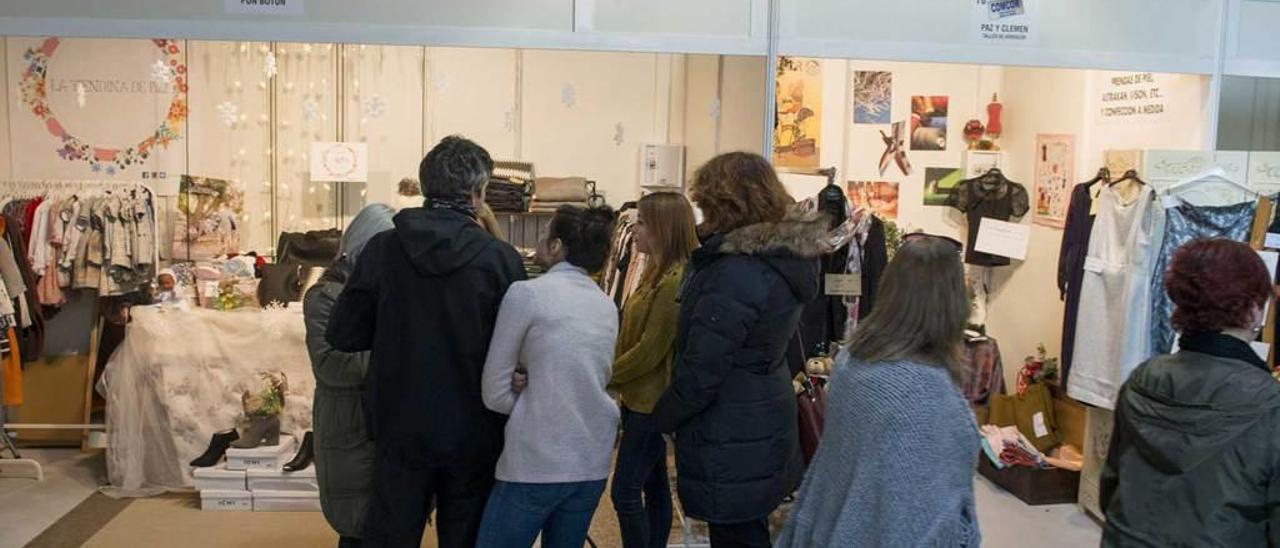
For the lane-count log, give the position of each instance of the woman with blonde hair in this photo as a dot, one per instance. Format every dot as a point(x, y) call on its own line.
point(665, 233)
point(730, 401)
point(896, 460)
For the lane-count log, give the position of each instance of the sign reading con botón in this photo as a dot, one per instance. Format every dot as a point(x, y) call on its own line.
point(265, 7)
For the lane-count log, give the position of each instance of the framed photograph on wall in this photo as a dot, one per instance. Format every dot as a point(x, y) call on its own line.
point(978, 162)
point(1055, 175)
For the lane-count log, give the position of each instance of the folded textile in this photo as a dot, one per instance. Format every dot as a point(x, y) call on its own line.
point(552, 206)
point(566, 189)
point(1014, 449)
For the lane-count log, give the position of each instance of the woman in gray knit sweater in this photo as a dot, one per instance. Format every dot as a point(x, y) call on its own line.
point(895, 464)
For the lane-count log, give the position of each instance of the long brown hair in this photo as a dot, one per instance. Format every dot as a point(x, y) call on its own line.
point(737, 189)
point(921, 309)
point(668, 218)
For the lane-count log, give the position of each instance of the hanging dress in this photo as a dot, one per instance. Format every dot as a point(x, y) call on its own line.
point(1113, 289)
point(1186, 222)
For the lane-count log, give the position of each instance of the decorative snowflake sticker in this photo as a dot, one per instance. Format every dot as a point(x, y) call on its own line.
point(80, 95)
point(509, 121)
point(310, 109)
point(714, 110)
point(375, 107)
point(269, 65)
point(161, 73)
point(228, 113)
point(569, 95)
point(619, 134)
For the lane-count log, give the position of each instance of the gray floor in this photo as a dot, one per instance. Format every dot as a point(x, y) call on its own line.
point(28, 507)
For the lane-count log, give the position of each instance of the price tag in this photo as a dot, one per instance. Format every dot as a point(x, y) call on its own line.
point(1002, 238)
point(1040, 428)
point(1272, 241)
point(843, 285)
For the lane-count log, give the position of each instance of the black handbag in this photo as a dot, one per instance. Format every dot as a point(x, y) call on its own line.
point(314, 248)
point(286, 283)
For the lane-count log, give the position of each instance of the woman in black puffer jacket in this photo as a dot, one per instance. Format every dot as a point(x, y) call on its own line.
point(731, 402)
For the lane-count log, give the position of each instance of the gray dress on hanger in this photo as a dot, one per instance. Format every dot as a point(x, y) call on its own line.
point(1185, 222)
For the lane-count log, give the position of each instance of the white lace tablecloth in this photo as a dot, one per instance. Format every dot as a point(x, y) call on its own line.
point(178, 378)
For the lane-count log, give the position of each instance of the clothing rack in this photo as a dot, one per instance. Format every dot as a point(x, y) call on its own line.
point(17, 189)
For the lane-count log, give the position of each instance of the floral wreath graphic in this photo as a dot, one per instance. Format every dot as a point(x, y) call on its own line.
point(104, 158)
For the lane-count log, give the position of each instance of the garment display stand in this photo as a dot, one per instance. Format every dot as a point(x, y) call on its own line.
point(15, 466)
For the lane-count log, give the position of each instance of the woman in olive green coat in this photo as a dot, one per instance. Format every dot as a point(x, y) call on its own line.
point(343, 451)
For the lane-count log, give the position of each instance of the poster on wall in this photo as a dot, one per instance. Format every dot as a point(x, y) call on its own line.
point(929, 122)
point(1055, 175)
point(881, 197)
point(895, 151)
point(1144, 98)
point(797, 131)
point(208, 221)
point(978, 162)
point(872, 97)
point(1005, 22)
point(92, 108)
point(340, 162)
point(940, 183)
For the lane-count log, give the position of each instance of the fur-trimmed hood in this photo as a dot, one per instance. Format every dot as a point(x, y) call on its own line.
point(790, 247)
point(801, 234)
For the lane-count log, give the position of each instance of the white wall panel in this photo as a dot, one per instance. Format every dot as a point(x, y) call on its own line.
point(586, 114)
point(384, 90)
point(472, 92)
point(230, 129)
point(306, 111)
point(742, 104)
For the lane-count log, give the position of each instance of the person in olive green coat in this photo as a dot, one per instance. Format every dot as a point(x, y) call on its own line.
point(665, 233)
point(343, 451)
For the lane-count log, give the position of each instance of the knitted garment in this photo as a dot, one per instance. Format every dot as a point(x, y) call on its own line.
point(895, 465)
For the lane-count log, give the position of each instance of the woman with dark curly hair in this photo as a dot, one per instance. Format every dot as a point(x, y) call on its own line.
point(1195, 453)
point(730, 401)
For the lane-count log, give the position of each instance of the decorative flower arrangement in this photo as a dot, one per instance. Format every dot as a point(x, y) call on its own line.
point(101, 158)
point(1036, 369)
point(269, 402)
point(229, 295)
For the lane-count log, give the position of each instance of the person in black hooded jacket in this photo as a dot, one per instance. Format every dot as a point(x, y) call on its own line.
point(423, 298)
point(731, 402)
point(1195, 452)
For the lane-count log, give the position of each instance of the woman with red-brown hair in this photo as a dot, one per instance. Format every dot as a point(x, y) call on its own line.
point(1195, 453)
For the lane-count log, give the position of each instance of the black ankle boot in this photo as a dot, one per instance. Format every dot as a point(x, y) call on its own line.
point(305, 454)
point(217, 448)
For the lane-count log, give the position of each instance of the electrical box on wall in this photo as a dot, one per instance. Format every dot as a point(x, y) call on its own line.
point(662, 166)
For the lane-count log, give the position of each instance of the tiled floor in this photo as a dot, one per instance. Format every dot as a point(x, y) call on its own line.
point(28, 507)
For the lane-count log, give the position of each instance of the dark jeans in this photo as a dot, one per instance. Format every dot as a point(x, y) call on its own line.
point(641, 494)
point(752, 534)
point(562, 512)
point(348, 542)
point(402, 498)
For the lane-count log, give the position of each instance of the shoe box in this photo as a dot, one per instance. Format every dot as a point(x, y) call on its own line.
point(278, 480)
point(226, 500)
point(264, 457)
point(286, 501)
point(218, 478)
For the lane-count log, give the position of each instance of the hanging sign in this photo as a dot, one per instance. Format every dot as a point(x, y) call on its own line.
point(1002, 238)
point(340, 162)
point(1005, 22)
point(265, 7)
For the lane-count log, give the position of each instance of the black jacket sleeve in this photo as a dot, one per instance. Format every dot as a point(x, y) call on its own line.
point(1074, 236)
point(352, 322)
point(875, 257)
point(721, 318)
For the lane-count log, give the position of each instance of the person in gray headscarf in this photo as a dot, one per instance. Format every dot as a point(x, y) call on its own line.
point(344, 452)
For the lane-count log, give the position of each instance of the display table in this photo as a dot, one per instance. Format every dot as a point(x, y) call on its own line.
point(178, 378)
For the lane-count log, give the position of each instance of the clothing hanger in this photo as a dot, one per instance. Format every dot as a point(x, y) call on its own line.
point(1104, 175)
point(1215, 175)
point(1130, 175)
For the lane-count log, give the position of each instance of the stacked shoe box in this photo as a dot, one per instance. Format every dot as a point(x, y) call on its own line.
point(254, 480)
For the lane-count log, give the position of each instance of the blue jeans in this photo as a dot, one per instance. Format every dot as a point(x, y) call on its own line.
point(641, 494)
point(517, 512)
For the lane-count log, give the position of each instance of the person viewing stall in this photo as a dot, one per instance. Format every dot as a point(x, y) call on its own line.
point(423, 298)
point(548, 366)
point(730, 403)
point(897, 456)
point(344, 453)
point(641, 495)
point(1193, 456)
